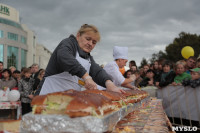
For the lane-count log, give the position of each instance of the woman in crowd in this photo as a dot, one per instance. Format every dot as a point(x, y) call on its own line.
point(180, 73)
point(167, 76)
point(145, 68)
point(71, 64)
point(148, 79)
point(157, 71)
point(38, 79)
point(7, 81)
point(25, 87)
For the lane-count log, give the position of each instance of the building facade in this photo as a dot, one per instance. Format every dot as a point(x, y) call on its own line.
point(18, 44)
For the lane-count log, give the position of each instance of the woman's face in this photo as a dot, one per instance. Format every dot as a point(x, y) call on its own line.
point(87, 41)
point(128, 74)
point(6, 74)
point(146, 68)
point(27, 74)
point(134, 68)
point(180, 69)
point(166, 68)
point(156, 65)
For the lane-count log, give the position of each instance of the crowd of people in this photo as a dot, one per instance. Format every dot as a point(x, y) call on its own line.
point(25, 81)
point(163, 72)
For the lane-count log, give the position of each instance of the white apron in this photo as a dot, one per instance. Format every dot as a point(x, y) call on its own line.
point(64, 81)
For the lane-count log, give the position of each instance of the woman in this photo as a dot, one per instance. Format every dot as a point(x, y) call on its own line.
point(25, 87)
point(72, 65)
point(7, 81)
point(38, 79)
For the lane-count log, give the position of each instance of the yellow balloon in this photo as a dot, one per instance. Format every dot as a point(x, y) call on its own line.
point(187, 51)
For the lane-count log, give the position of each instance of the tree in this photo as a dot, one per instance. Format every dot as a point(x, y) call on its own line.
point(143, 62)
point(173, 50)
point(157, 56)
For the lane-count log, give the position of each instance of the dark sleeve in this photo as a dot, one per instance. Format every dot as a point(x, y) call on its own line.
point(186, 82)
point(168, 80)
point(195, 83)
point(144, 82)
point(98, 74)
point(64, 59)
point(36, 83)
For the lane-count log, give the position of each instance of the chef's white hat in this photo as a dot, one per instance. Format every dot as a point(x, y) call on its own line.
point(120, 52)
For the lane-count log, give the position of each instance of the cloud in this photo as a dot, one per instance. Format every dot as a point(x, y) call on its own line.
point(142, 25)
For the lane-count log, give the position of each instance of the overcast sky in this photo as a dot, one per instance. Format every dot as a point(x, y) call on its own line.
point(145, 26)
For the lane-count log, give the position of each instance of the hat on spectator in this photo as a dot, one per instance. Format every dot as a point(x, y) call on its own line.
point(120, 52)
point(195, 70)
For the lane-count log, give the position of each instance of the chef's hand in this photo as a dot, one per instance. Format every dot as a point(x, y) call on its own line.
point(111, 87)
point(89, 83)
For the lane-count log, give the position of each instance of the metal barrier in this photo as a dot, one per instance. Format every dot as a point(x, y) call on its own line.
point(181, 103)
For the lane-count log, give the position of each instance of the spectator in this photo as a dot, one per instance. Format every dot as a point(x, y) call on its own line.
point(1, 69)
point(145, 68)
point(157, 71)
point(22, 71)
point(128, 74)
point(151, 66)
point(38, 79)
point(138, 78)
point(190, 63)
point(148, 79)
point(34, 70)
point(160, 63)
point(17, 76)
point(167, 76)
point(195, 81)
point(25, 87)
point(132, 63)
point(180, 73)
point(198, 63)
point(133, 68)
point(7, 81)
point(12, 69)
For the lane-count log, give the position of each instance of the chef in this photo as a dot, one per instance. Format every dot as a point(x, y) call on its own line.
point(120, 55)
point(71, 65)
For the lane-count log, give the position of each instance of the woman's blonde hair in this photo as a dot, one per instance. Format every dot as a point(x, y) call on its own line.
point(87, 28)
point(181, 62)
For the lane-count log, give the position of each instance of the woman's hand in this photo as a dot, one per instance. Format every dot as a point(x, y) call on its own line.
point(89, 83)
point(30, 96)
point(111, 87)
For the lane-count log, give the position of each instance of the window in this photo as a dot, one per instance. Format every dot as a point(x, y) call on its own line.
point(33, 58)
point(34, 41)
point(23, 40)
point(1, 34)
point(1, 52)
point(11, 23)
point(12, 36)
point(12, 57)
point(23, 57)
